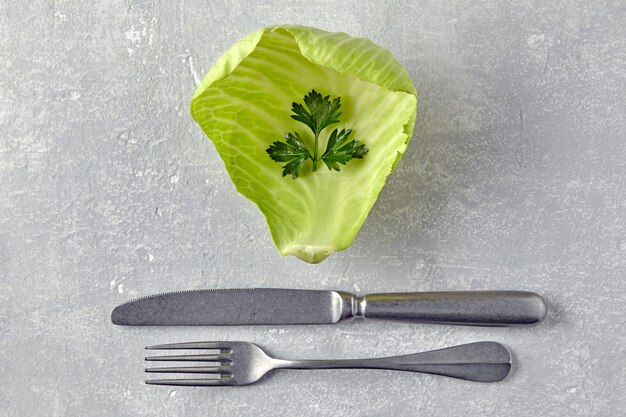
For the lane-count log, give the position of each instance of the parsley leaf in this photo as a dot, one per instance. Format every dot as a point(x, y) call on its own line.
point(294, 152)
point(340, 151)
point(320, 112)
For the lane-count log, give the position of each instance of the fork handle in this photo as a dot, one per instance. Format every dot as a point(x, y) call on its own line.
point(480, 361)
point(474, 308)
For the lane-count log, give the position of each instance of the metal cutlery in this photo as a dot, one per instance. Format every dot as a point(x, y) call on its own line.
point(242, 363)
point(273, 306)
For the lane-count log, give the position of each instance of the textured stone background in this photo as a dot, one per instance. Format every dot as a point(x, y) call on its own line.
point(108, 190)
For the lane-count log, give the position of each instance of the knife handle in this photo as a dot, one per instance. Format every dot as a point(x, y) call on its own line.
point(470, 308)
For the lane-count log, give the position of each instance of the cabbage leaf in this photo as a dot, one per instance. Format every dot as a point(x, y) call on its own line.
point(243, 105)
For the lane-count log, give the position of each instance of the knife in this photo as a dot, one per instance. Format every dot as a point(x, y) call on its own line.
point(272, 306)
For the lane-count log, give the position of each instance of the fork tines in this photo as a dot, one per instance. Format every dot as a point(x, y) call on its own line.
point(222, 346)
point(221, 371)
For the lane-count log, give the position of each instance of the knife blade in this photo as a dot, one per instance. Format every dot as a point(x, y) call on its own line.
point(274, 306)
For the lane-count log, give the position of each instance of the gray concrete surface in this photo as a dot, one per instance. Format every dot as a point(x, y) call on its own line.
point(108, 190)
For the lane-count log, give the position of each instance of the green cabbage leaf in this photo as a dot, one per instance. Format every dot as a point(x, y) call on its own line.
point(244, 102)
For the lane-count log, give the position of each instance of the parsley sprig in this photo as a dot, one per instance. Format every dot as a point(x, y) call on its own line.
point(320, 112)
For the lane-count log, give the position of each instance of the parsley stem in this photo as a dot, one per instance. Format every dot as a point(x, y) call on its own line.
point(315, 152)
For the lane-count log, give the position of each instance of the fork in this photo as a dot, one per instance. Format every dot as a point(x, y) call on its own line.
point(243, 363)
